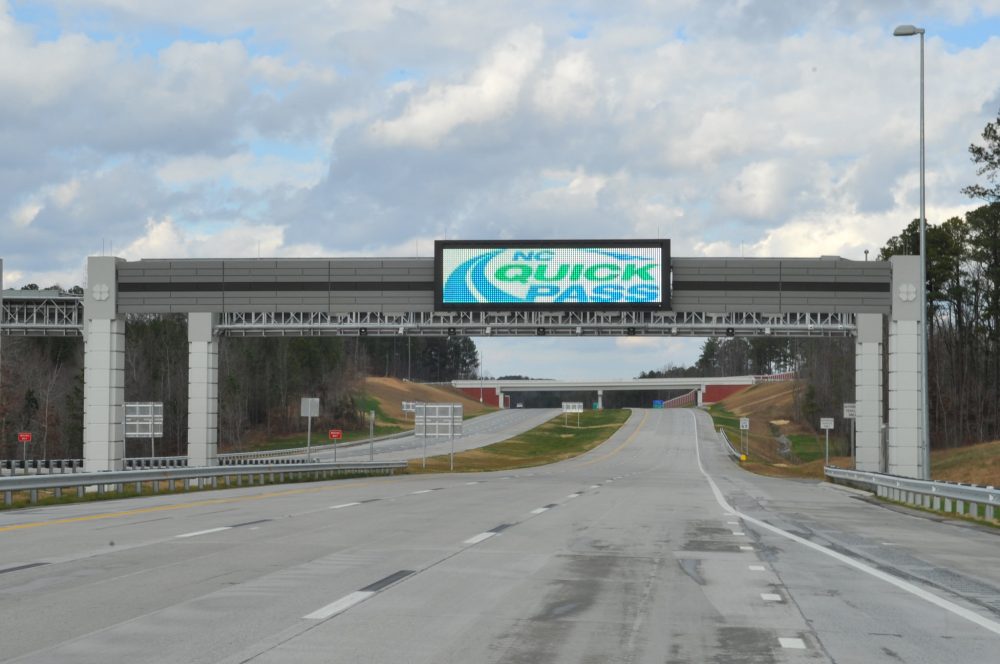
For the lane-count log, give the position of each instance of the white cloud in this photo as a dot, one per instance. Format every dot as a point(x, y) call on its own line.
point(491, 92)
point(571, 88)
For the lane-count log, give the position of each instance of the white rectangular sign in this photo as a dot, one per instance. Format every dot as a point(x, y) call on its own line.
point(310, 406)
point(431, 419)
point(144, 419)
point(744, 424)
point(826, 423)
point(409, 406)
point(572, 406)
point(850, 411)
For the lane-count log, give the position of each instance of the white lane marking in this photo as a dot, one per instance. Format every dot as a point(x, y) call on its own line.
point(930, 597)
point(746, 548)
point(732, 523)
point(470, 483)
point(595, 486)
point(254, 527)
point(573, 495)
point(343, 505)
point(738, 533)
point(413, 493)
point(756, 568)
point(341, 605)
point(770, 597)
point(479, 538)
point(797, 644)
point(204, 532)
point(540, 510)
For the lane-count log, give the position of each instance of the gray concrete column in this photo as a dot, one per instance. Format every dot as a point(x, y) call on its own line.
point(103, 369)
point(600, 399)
point(203, 390)
point(868, 393)
point(905, 452)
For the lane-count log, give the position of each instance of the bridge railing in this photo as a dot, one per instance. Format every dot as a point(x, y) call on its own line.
point(39, 466)
point(188, 477)
point(950, 497)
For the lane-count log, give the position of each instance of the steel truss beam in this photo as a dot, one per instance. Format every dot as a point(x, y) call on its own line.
point(42, 316)
point(536, 323)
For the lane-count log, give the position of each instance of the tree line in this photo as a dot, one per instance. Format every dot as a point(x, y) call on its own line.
point(261, 381)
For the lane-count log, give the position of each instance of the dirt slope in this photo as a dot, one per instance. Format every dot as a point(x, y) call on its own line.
point(392, 392)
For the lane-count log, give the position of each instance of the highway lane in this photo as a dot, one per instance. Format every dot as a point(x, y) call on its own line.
point(477, 432)
point(625, 554)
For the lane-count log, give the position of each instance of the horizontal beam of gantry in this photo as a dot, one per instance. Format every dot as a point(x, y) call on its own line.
point(631, 385)
point(405, 285)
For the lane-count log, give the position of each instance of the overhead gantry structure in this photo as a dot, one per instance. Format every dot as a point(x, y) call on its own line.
point(874, 302)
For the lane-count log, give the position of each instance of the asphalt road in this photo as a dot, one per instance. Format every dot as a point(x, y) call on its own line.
point(476, 432)
point(630, 553)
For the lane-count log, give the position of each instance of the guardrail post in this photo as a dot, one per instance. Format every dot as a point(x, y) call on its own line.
point(960, 506)
point(79, 491)
point(58, 492)
point(8, 498)
point(34, 496)
point(990, 512)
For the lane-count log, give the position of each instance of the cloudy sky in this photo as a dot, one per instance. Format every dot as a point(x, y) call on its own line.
point(184, 128)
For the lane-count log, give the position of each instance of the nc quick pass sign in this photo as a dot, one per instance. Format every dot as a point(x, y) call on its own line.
point(605, 274)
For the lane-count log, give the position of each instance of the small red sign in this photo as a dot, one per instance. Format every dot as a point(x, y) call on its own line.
point(24, 437)
point(336, 434)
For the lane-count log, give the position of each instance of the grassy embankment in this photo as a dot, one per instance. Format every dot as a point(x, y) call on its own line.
point(770, 408)
point(551, 442)
point(385, 396)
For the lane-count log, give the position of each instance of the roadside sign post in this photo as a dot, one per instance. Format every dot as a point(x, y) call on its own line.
point(851, 413)
point(371, 436)
point(424, 411)
point(25, 438)
point(826, 423)
point(745, 436)
point(335, 435)
point(309, 408)
point(451, 435)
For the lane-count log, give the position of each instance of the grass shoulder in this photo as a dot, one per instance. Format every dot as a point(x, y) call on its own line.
point(551, 442)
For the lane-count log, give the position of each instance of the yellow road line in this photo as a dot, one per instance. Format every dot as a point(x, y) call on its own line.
point(618, 449)
point(166, 508)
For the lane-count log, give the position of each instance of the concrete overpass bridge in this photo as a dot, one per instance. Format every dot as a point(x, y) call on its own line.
point(709, 390)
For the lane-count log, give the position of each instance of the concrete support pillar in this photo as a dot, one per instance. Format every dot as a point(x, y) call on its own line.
point(203, 390)
point(103, 369)
point(600, 399)
point(500, 398)
point(868, 393)
point(905, 452)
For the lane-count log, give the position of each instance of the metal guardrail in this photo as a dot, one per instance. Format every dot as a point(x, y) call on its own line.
point(199, 477)
point(728, 445)
point(949, 497)
point(229, 457)
point(40, 466)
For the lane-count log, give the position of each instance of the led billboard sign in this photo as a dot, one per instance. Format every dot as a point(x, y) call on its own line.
point(541, 274)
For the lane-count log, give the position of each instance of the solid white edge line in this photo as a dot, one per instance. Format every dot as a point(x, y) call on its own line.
point(930, 597)
point(343, 505)
point(476, 539)
point(341, 605)
point(203, 532)
point(797, 644)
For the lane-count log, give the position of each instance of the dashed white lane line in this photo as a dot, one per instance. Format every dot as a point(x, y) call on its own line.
point(540, 510)
point(738, 533)
point(756, 568)
point(595, 486)
point(414, 493)
point(203, 532)
point(343, 505)
point(796, 644)
point(732, 523)
point(770, 597)
point(573, 495)
point(746, 548)
point(341, 605)
point(470, 483)
point(476, 539)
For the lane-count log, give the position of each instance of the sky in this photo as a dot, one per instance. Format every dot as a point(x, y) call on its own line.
point(244, 128)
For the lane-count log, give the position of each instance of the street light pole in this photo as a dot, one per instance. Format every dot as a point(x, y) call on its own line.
point(909, 31)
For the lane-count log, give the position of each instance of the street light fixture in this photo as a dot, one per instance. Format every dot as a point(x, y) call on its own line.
point(910, 31)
